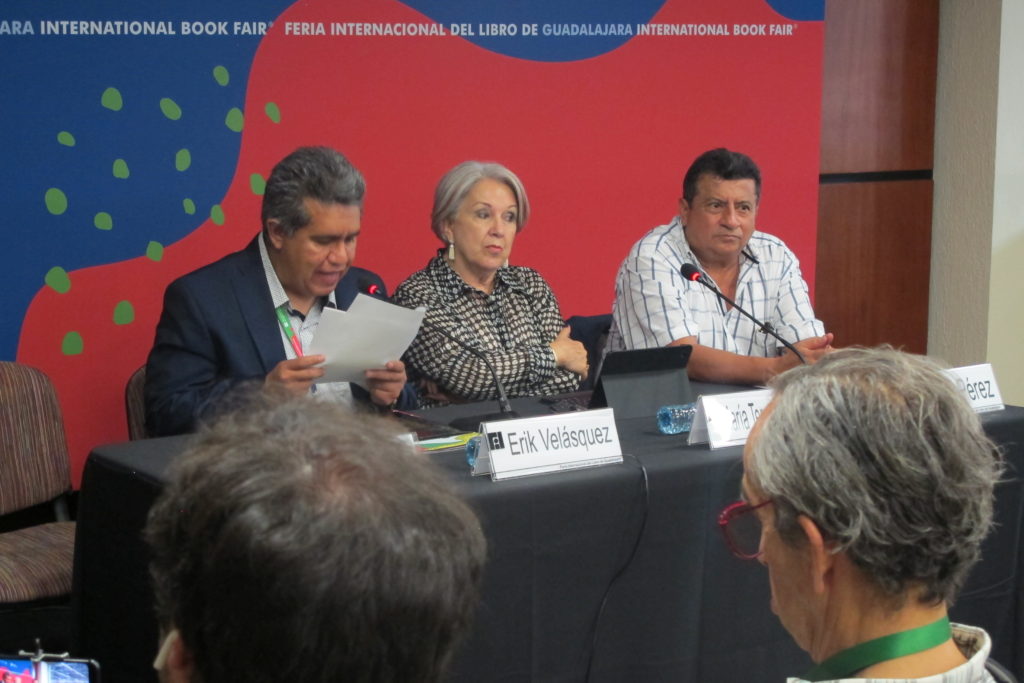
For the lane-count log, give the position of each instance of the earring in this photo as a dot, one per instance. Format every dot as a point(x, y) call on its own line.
point(451, 251)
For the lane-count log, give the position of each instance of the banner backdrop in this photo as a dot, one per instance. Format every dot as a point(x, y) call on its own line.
point(137, 139)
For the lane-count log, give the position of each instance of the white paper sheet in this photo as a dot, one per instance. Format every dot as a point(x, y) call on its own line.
point(369, 334)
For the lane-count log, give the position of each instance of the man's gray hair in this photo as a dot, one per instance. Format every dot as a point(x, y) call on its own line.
point(883, 452)
point(457, 183)
point(299, 538)
point(319, 173)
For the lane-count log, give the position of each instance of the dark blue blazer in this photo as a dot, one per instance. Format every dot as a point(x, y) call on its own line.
point(218, 330)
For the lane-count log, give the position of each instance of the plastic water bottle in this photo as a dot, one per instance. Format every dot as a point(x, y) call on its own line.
point(472, 450)
point(676, 419)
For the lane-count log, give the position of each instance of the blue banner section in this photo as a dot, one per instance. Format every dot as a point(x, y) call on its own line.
point(104, 101)
point(799, 10)
point(598, 27)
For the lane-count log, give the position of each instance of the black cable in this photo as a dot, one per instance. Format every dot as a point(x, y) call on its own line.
point(594, 630)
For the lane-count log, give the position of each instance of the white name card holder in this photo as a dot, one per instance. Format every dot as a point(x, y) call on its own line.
point(978, 382)
point(549, 443)
point(726, 419)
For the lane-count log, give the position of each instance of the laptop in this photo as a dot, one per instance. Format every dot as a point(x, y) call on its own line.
point(635, 383)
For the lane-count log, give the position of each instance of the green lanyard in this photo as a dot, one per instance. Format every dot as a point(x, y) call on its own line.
point(282, 317)
point(851, 660)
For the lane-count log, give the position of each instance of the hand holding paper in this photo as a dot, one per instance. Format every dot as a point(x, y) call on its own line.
point(366, 336)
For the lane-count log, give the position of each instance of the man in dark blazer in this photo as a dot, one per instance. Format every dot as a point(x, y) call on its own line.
point(246, 317)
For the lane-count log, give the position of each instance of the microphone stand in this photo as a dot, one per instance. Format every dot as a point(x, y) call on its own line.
point(472, 422)
point(690, 272)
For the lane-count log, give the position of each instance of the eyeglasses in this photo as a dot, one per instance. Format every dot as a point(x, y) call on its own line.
point(741, 529)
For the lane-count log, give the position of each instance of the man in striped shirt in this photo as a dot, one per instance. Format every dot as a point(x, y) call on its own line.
point(715, 231)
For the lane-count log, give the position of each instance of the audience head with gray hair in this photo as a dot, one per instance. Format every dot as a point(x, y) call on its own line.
point(297, 541)
point(872, 480)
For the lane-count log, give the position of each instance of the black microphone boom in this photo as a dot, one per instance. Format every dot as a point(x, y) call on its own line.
point(693, 274)
point(471, 423)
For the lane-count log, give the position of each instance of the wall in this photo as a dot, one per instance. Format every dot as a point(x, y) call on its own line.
point(874, 210)
point(978, 236)
point(1006, 284)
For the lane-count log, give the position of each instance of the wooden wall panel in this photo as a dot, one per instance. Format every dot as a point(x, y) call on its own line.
point(878, 126)
point(878, 98)
point(874, 246)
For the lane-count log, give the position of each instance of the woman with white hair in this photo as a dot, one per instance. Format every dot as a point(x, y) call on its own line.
point(475, 299)
point(868, 488)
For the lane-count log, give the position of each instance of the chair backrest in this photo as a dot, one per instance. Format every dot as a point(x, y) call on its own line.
point(34, 464)
point(592, 332)
point(135, 405)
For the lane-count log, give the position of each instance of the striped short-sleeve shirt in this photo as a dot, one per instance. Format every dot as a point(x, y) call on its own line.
point(655, 304)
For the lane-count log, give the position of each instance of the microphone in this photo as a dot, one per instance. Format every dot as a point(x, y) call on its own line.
point(472, 422)
point(693, 274)
point(368, 286)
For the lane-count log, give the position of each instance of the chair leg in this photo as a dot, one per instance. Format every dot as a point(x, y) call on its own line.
point(60, 508)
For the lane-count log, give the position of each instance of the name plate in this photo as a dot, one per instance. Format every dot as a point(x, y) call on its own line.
point(726, 419)
point(978, 382)
point(549, 443)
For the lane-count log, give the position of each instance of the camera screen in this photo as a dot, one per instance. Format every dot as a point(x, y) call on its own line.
point(27, 671)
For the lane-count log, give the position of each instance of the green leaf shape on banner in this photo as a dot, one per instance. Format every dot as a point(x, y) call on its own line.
point(72, 344)
point(273, 112)
point(170, 108)
point(103, 221)
point(56, 201)
point(154, 251)
point(111, 99)
point(235, 120)
point(57, 279)
point(183, 159)
point(124, 313)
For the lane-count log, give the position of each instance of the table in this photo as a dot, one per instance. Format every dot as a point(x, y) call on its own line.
point(683, 609)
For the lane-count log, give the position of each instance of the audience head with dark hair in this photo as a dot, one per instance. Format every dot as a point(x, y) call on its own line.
point(298, 541)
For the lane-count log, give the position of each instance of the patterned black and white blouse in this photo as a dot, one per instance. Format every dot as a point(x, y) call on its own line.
point(513, 326)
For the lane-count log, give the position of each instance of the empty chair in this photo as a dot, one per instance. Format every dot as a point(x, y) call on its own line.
point(592, 332)
point(135, 405)
point(37, 543)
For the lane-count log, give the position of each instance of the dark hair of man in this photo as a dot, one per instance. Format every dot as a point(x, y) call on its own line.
point(319, 173)
point(721, 163)
point(301, 542)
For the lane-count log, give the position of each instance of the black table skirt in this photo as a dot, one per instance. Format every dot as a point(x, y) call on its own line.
point(682, 610)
